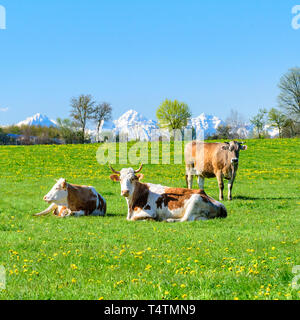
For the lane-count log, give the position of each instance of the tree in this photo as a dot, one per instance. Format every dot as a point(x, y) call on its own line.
point(173, 115)
point(235, 121)
point(68, 131)
point(81, 111)
point(224, 132)
point(289, 98)
point(277, 119)
point(259, 121)
point(101, 113)
point(291, 128)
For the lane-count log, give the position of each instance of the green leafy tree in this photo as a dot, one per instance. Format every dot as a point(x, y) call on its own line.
point(259, 122)
point(81, 111)
point(289, 98)
point(68, 131)
point(173, 115)
point(277, 119)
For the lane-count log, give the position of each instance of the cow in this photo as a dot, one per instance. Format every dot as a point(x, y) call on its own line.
point(68, 199)
point(208, 160)
point(159, 203)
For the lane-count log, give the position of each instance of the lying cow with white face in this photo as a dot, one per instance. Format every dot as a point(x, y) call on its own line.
point(155, 202)
point(72, 200)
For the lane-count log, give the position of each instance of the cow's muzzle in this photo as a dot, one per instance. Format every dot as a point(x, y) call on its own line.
point(46, 199)
point(125, 193)
point(235, 161)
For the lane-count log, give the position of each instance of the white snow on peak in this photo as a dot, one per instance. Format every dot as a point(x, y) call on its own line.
point(206, 124)
point(38, 120)
point(137, 127)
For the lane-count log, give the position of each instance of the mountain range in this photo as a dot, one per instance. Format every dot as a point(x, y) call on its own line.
point(138, 127)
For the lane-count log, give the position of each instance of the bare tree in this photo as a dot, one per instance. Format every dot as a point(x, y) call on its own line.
point(101, 113)
point(81, 111)
point(289, 98)
point(235, 121)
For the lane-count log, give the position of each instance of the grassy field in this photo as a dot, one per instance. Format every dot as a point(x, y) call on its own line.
point(249, 255)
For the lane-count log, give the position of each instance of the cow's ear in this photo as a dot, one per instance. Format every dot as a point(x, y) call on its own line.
point(244, 147)
point(140, 176)
point(64, 184)
point(115, 178)
point(225, 147)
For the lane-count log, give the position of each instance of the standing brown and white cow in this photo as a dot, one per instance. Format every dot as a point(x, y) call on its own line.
point(155, 202)
point(72, 200)
point(208, 160)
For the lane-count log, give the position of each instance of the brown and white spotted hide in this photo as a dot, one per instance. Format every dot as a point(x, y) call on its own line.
point(156, 202)
point(67, 199)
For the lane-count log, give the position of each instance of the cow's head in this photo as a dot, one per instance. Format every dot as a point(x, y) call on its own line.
point(58, 193)
point(128, 178)
point(234, 149)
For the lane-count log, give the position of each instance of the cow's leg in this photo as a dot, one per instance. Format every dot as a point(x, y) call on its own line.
point(190, 179)
point(173, 220)
point(230, 186)
point(142, 215)
point(221, 185)
point(78, 214)
point(192, 209)
point(201, 219)
point(200, 181)
point(47, 211)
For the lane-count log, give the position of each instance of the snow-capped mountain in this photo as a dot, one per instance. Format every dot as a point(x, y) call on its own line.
point(38, 120)
point(205, 125)
point(137, 127)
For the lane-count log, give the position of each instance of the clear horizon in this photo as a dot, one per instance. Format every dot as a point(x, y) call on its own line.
point(213, 56)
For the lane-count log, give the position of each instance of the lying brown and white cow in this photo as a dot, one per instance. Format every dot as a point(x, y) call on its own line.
point(155, 202)
point(208, 160)
point(72, 200)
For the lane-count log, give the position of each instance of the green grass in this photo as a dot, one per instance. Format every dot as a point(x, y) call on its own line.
point(249, 255)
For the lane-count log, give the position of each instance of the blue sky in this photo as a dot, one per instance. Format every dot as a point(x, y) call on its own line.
point(213, 55)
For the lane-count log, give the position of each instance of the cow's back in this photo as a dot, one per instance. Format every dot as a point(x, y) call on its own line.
point(204, 157)
point(85, 198)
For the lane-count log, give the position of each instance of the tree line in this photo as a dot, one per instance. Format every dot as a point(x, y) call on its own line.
point(73, 130)
point(285, 118)
point(170, 115)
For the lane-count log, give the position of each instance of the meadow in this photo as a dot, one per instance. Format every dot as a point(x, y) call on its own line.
point(249, 255)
